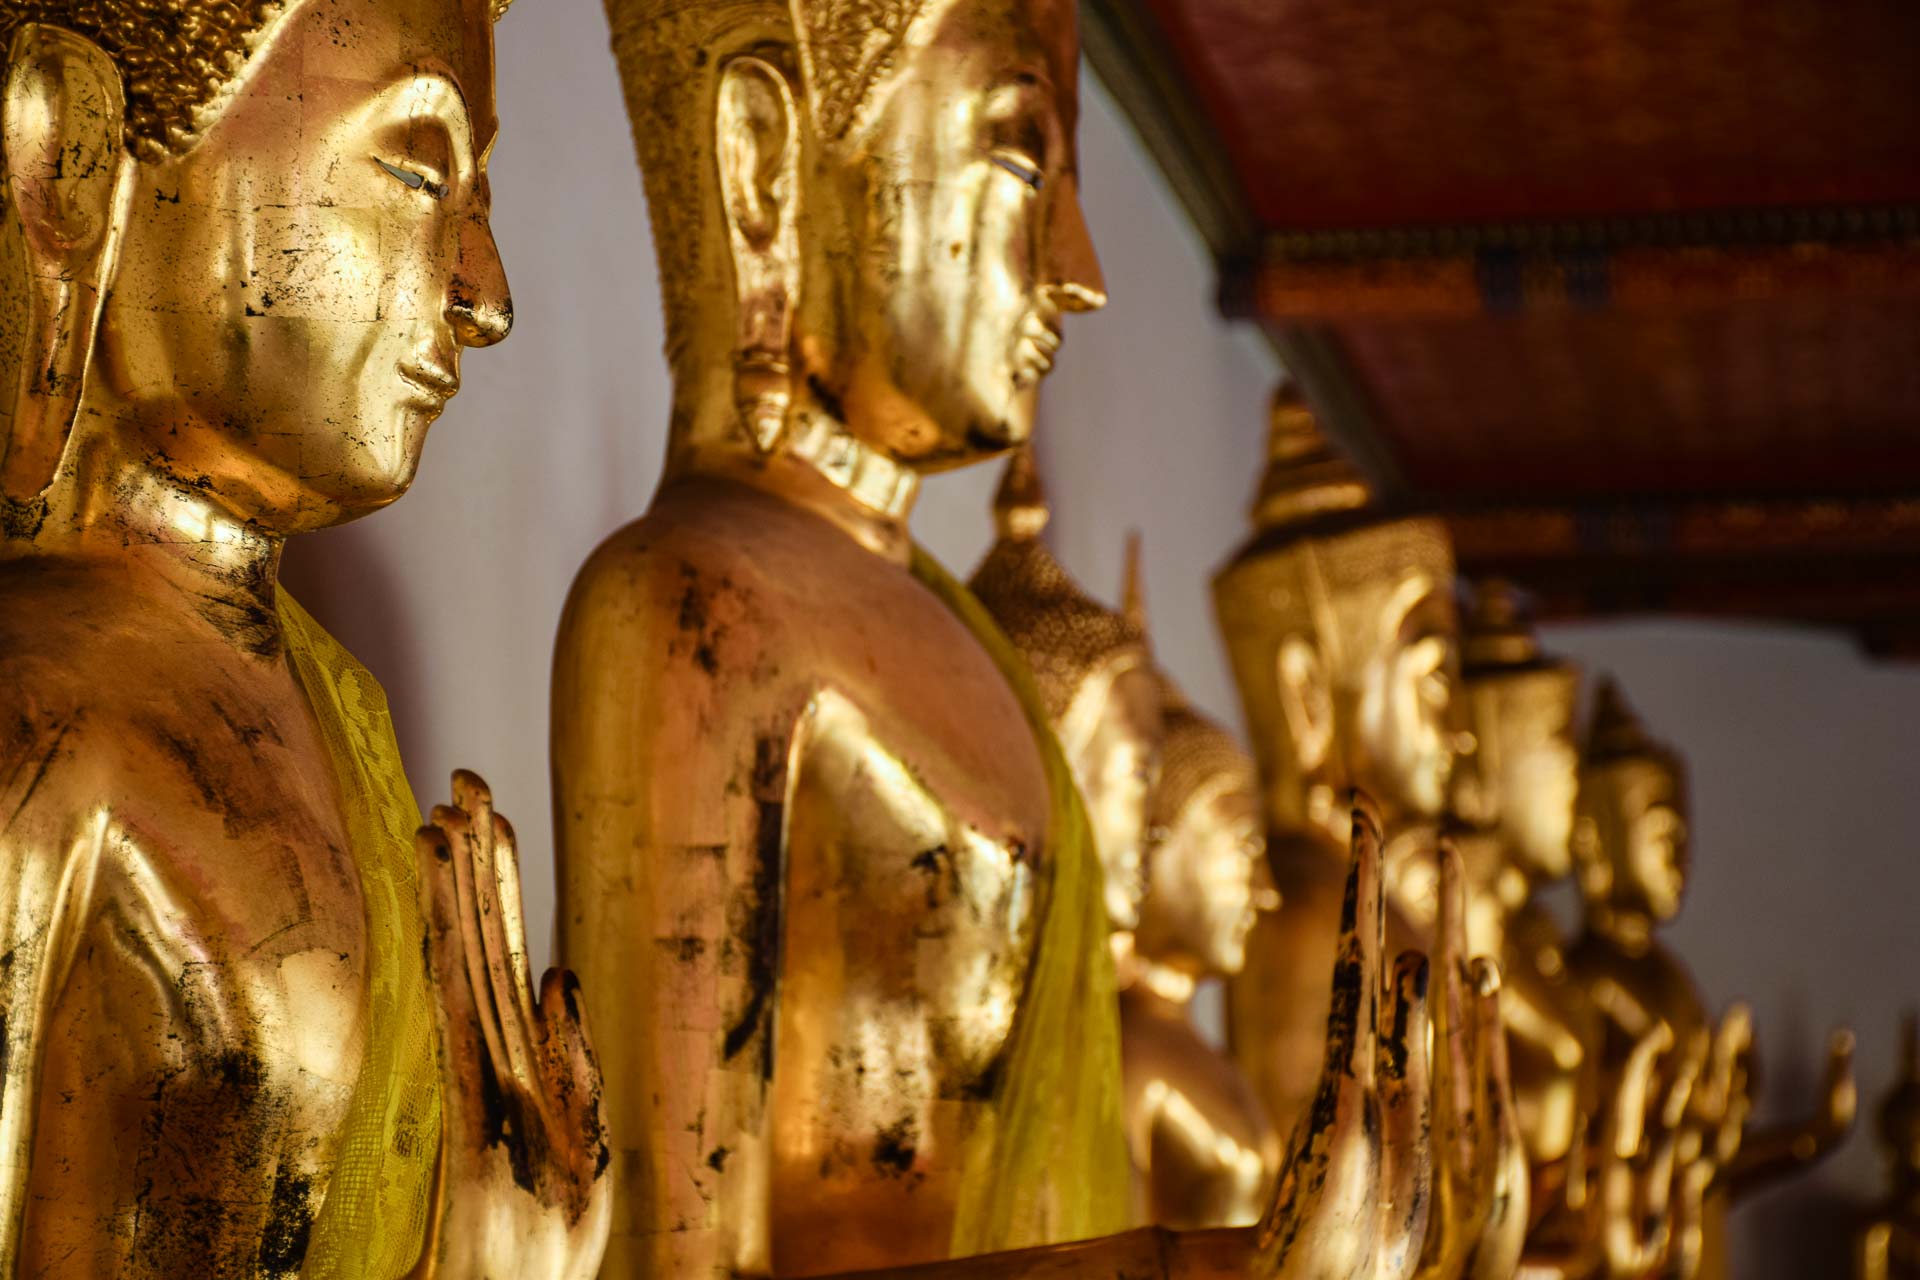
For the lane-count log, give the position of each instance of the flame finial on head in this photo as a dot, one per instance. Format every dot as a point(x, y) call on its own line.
point(1616, 732)
point(1133, 589)
point(1305, 478)
point(1020, 504)
point(1497, 632)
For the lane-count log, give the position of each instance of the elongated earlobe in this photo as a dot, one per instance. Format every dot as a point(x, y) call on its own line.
point(757, 143)
point(1306, 701)
point(66, 172)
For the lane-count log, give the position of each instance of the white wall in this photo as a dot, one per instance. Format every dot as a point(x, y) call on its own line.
point(1153, 420)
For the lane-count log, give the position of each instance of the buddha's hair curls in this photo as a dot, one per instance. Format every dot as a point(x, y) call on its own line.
point(177, 58)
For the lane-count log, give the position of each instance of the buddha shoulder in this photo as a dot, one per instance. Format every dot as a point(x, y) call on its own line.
point(202, 759)
point(700, 585)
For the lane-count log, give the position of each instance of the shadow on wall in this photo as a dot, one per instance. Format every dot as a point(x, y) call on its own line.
point(342, 578)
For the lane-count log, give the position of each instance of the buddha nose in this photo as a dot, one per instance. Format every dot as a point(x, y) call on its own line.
point(1073, 268)
point(479, 305)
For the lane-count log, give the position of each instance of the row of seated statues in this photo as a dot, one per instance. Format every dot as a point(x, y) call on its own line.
point(883, 898)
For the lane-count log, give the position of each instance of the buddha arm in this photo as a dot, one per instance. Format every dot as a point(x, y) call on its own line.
point(46, 886)
point(71, 873)
point(669, 779)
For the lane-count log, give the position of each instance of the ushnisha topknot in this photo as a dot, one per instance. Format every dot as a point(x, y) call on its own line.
point(1197, 758)
point(1065, 635)
point(1516, 692)
point(1305, 479)
point(1616, 734)
point(1497, 635)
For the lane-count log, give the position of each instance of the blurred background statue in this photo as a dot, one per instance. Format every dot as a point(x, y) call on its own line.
point(1888, 1247)
point(1631, 845)
point(1204, 1150)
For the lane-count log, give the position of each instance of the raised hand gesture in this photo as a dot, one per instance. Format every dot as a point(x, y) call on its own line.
point(1351, 1201)
point(1481, 1188)
point(524, 1190)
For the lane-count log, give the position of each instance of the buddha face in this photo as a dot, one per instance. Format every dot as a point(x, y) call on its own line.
point(1524, 724)
point(1405, 731)
point(1205, 881)
point(1634, 811)
point(959, 189)
point(1539, 783)
point(293, 293)
point(1112, 740)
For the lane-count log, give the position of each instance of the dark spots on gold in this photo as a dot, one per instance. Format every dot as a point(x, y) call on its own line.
point(717, 1160)
point(686, 948)
point(289, 1229)
point(695, 618)
point(754, 915)
point(827, 398)
point(895, 1147)
point(937, 865)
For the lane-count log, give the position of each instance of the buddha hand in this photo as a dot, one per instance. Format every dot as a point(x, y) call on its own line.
point(1481, 1192)
point(524, 1188)
point(1839, 1095)
point(1655, 1166)
point(1352, 1197)
point(1750, 1160)
point(1722, 1098)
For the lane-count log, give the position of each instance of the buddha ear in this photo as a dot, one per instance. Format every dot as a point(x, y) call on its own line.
point(62, 117)
point(757, 140)
point(1306, 700)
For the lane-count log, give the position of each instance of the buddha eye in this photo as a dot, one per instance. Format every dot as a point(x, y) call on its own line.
point(1020, 169)
point(415, 179)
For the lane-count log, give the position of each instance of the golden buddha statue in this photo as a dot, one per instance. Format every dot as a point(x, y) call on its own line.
point(1341, 632)
point(1204, 1151)
point(1630, 847)
point(1516, 791)
point(1888, 1247)
point(241, 249)
point(819, 850)
point(1091, 665)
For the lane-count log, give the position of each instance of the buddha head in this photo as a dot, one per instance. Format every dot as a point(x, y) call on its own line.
point(1341, 629)
point(1094, 673)
point(242, 247)
point(1521, 779)
point(864, 209)
point(1630, 829)
point(1206, 846)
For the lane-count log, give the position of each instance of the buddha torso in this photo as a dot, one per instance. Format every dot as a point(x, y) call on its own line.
point(1635, 989)
point(884, 897)
point(205, 1044)
point(1550, 1023)
point(1199, 1136)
